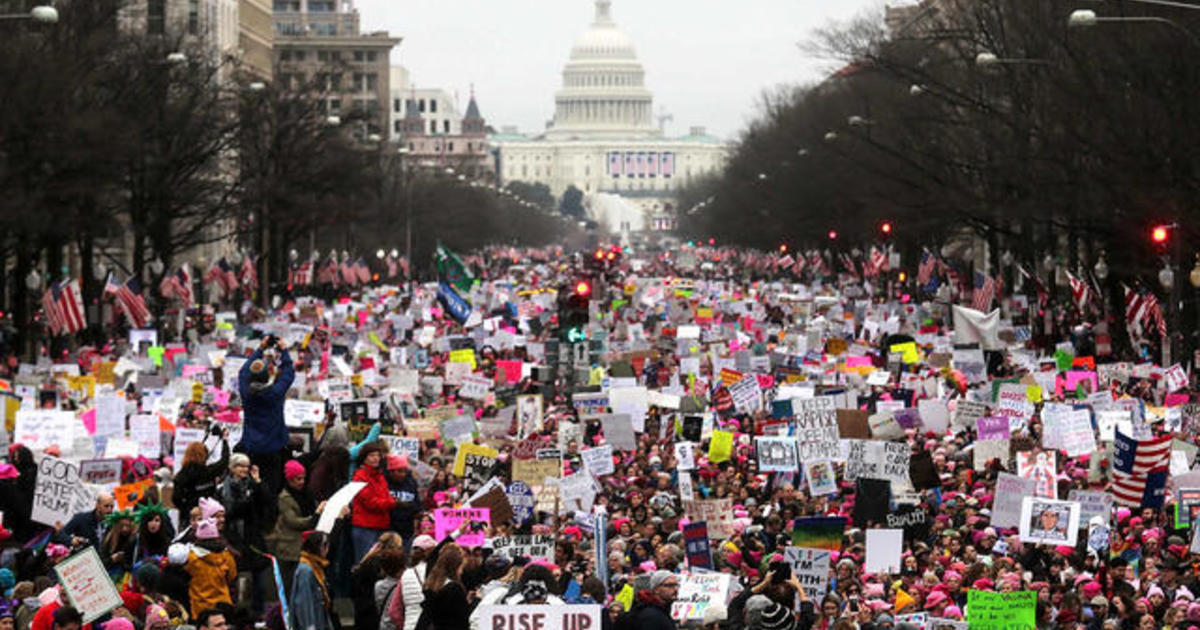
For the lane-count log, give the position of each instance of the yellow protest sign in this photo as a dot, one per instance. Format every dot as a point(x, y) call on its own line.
point(356, 379)
point(105, 372)
point(85, 385)
point(377, 341)
point(466, 355)
point(460, 459)
point(720, 449)
point(1033, 393)
point(625, 597)
point(908, 352)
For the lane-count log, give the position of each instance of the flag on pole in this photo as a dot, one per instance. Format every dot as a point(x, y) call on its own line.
point(177, 285)
point(1139, 470)
point(50, 310)
point(303, 275)
point(1081, 291)
point(393, 267)
point(451, 269)
point(129, 296)
point(926, 268)
point(985, 290)
point(363, 271)
point(71, 313)
point(249, 274)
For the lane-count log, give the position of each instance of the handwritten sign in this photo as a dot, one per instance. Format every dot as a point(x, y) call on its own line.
point(697, 592)
point(532, 547)
point(1001, 611)
point(88, 587)
point(40, 429)
point(59, 494)
point(811, 568)
point(816, 428)
point(559, 617)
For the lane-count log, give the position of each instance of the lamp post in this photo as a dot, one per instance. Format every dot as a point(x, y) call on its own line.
point(1194, 278)
point(1087, 18)
point(44, 14)
point(1166, 278)
point(988, 59)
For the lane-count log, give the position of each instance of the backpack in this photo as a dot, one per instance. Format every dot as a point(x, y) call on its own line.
point(393, 607)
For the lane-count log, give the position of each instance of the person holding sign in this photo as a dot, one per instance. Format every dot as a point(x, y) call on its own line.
point(263, 391)
point(87, 528)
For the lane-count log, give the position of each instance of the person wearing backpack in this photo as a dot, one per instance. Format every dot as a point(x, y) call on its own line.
point(389, 597)
point(652, 607)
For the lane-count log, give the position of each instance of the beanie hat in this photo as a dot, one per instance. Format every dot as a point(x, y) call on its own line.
point(206, 530)
point(210, 508)
point(292, 469)
point(258, 370)
point(155, 614)
point(424, 541)
point(776, 617)
point(118, 623)
point(397, 462)
point(659, 576)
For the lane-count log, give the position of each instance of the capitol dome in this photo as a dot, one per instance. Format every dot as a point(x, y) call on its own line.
point(603, 93)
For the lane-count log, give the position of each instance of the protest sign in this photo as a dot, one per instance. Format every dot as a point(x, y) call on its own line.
point(776, 454)
point(987, 610)
point(821, 478)
point(618, 431)
point(913, 520)
point(532, 547)
point(685, 458)
point(398, 445)
point(811, 568)
point(334, 505)
point(718, 513)
point(87, 585)
point(556, 617)
point(697, 546)
point(1075, 433)
point(720, 447)
point(300, 413)
point(127, 495)
point(144, 430)
point(590, 405)
point(475, 387)
point(1092, 503)
point(697, 592)
point(599, 460)
point(40, 429)
point(1050, 522)
point(529, 415)
point(1098, 535)
point(521, 499)
point(474, 464)
point(883, 550)
point(577, 492)
point(100, 472)
point(1042, 468)
point(1011, 491)
point(533, 471)
point(446, 520)
point(816, 428)
point(58, 493)
point(967, 412)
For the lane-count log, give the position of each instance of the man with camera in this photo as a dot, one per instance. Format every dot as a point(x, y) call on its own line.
point(263, 388)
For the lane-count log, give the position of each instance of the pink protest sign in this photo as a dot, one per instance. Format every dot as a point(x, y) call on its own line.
point(192, 369)
point(511, 371)
point(220, 397)
point(855, 361)
point(1074, 378)
point(1174, 400)
point(446, 520)
point(89, 420)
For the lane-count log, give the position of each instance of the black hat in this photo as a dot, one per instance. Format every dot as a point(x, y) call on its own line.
point(776, 617)
point(367, 449)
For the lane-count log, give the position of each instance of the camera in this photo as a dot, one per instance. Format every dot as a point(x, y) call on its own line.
point(781, 571)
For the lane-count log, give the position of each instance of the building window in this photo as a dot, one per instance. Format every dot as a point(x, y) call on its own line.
point(287, 5)
point(322, 55)
point(421, 108)
point(156, 17)
point(445, 124)
point(288, 28)
point(396, 127)
point(396, 105)
point(298, 55)
point(285, 55)
point(433, 127)
point(433, 106)
point(320, 6)
point(450, 147)
point(358, 55)
point(335, 105)
point(372, 55)
point(325, 29)
point(193, 17)
point(411, 148)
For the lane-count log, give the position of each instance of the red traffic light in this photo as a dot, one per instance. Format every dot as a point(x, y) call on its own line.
point(886, 228)
point(783, 248)
point(833, 235)
point(599, 254)
point(1160, 234)
point(583, 289)
point(612, 256)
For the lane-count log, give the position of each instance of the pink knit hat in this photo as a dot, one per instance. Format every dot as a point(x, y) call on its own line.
point(210, 507)
point(207, 530)
point(292, 469)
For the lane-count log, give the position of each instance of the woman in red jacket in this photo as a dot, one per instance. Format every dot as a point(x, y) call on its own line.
point(373, 504)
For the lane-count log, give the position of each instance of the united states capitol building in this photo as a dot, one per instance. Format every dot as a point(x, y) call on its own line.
point(605, 139)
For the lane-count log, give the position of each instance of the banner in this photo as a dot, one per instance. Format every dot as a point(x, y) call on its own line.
point(563, 617)
point(819, 532)
point(972, 326)
point(446, 520)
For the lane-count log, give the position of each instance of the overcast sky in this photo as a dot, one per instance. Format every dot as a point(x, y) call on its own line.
point(707, 61)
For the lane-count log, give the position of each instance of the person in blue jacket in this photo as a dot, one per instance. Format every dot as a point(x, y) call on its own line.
point(264, 434)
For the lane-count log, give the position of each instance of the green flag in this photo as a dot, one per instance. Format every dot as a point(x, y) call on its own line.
point(451, 269)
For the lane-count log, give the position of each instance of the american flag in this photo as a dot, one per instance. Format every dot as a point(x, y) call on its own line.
point(1042, 293)
point(249, 274)
point(129, 296)
point(221, 274)
point(1081, 291)
point(985, 290)
point(404, 266)
point(178, 285)
point(925, 269)
point(349, 273)
point(363, 271)
point(1139, 470)
point(303, 275)
point(50, 310)
point(876, 264)
point(328, 273)
point(393, 267)
point(785, 262)
point(1143, 309)
point(72, 316)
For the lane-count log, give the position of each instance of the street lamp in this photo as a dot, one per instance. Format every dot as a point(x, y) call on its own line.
point(1101, 268)
point(176, 58)
point(379, 253)
point(44, 14)
point(831, 136)
point(990, 60)
point(33, 280)
point(257, 86)
point(916, 90)
point(333, 121)
point(1087, 18)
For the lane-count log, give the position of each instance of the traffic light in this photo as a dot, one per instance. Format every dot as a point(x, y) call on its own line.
point(573, 312)
point(1160, 234)
point(885, 228)
point(833, 235)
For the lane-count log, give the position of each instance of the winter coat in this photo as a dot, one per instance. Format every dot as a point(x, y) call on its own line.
point(373, 504)
point(650, 613)
point(262, 407)
point(408, 505)
point(211, 574)
point(290, 527)
point(447, 608)
point(197, 480)
point(413, 594)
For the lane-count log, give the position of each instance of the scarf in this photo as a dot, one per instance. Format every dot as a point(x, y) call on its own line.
point(318, 565)
point(304, 499)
